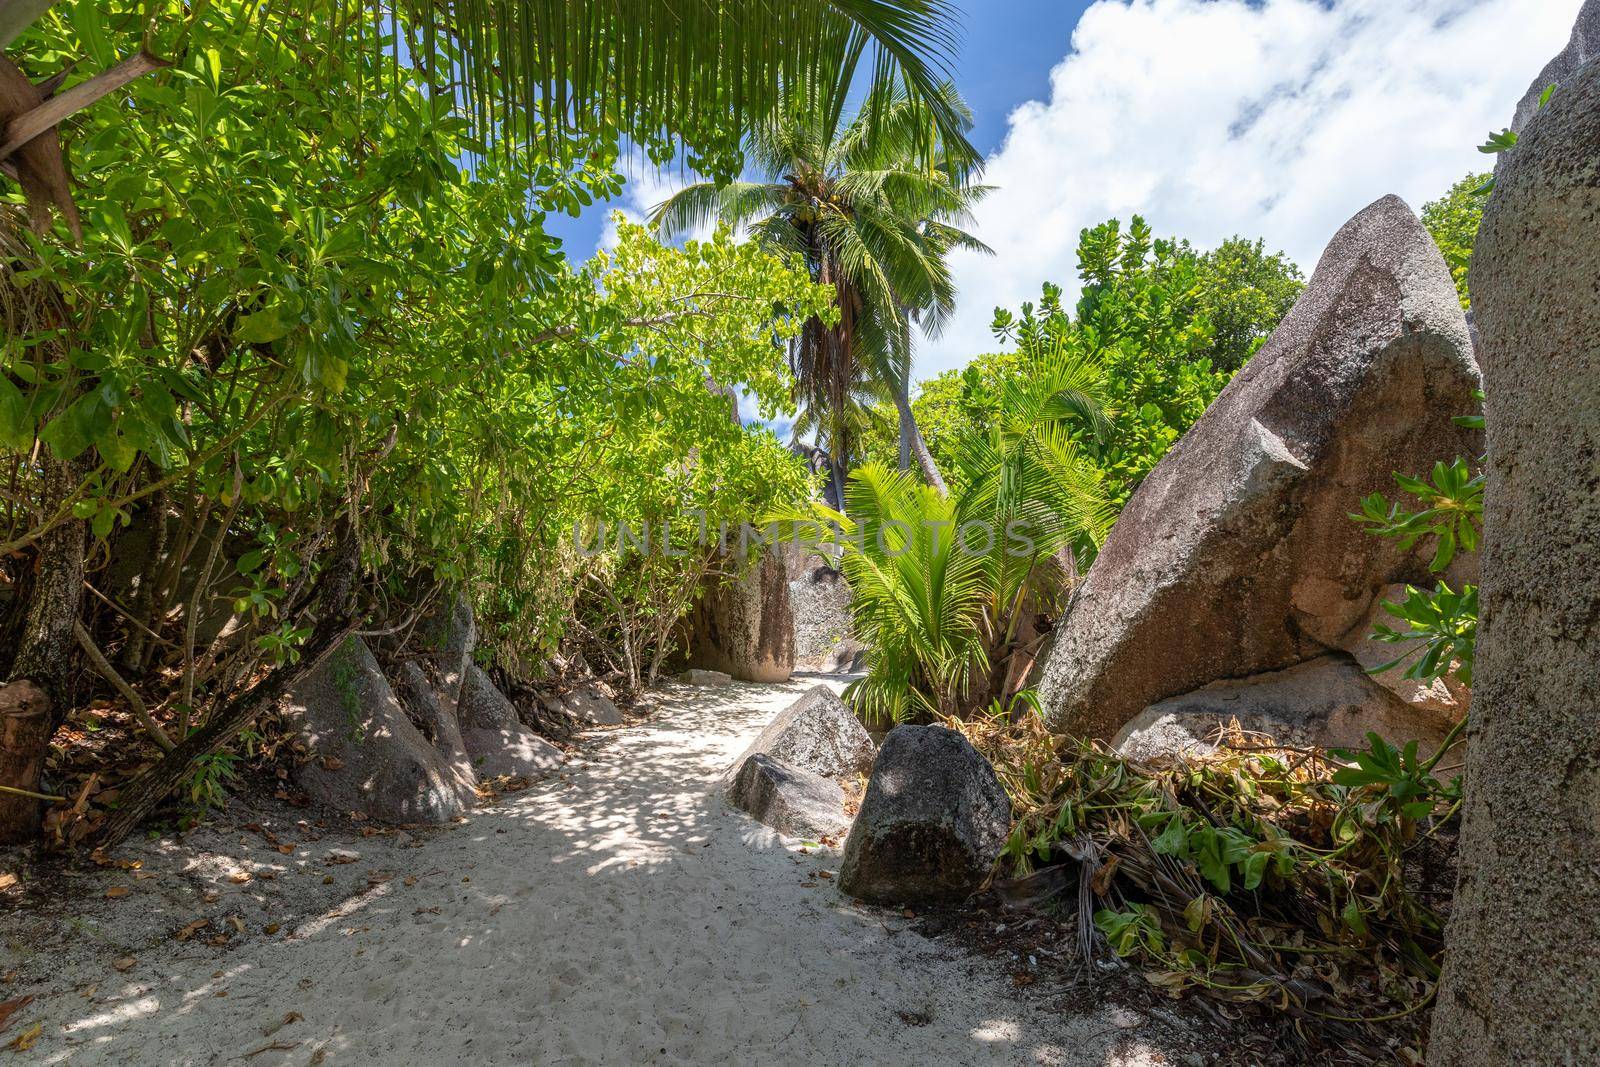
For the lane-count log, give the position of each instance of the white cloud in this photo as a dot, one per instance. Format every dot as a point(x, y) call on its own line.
point(647, 185)
point(1278, 119)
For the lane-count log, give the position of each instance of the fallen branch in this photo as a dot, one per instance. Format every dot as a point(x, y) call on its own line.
point(142, 795)
point(14, 791)
point(335, 591)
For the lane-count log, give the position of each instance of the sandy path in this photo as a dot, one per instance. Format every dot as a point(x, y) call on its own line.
point(619, 914)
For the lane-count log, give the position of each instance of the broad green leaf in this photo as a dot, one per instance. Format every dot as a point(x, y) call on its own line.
point(16, 426)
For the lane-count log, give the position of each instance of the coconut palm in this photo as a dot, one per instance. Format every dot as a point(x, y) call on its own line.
point(872, 206)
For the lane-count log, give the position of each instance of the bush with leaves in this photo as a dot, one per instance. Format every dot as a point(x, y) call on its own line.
point(1453, 220)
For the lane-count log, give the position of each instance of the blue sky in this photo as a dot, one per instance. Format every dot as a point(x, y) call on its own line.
point(1277, 119)
point(1009, 48)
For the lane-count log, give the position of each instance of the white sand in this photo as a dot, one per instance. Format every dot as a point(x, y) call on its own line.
point(621, 913)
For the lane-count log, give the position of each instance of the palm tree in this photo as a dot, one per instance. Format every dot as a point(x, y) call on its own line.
point(873, 207)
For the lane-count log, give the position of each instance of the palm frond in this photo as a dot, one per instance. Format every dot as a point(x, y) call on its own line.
point(704, 204)
point(664, 71)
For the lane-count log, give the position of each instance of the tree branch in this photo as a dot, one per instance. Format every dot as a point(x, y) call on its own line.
point(109, 673)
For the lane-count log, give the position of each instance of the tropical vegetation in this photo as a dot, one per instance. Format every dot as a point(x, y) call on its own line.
point(1166, 323)
point(301, 338)
point(949, 586)
point(1453, 221)
point(874, 218)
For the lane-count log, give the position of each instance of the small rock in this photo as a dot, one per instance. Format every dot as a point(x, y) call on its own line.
point(789, 799)
point(932, 822)
point(817, 733)
point(499, 744)
point(592, 707)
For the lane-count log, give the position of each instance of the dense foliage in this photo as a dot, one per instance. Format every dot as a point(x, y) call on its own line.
point(303, 311)
point(1169, 325)
point(1453, 221)
point(265, 294)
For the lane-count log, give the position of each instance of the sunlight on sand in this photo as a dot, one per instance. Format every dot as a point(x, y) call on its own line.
point(620, 912)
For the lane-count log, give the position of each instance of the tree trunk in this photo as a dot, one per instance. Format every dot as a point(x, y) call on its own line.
point(46, 652)
point(834, 490)
point(37, 697)
point(911, 437)
point(1522, 973)
point(24, 739)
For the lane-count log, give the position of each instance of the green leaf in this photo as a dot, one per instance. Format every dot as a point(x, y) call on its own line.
point(1503, 141)
point(117, 450)
point(263, 327)
point(89, 23)
point(102, 523)
point(1353, 918)
point(1255, 868)
point(16, 427)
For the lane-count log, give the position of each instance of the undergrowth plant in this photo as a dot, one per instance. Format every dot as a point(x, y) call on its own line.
point(1440, 626)
point(1256, 874)
point(946, 588)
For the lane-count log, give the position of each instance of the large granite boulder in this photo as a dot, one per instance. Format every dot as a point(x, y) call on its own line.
point(1522, 976)
point(1583, 46)
point(743, 624)
point(496, 741)
point(1236, 555)
point(365, 754)
point(932, 822)
point(1327, 702)
point(817, 733)
point(790, 800)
